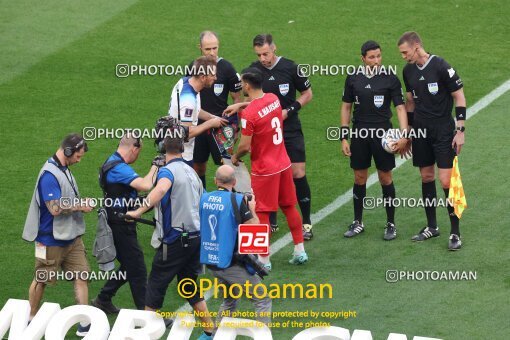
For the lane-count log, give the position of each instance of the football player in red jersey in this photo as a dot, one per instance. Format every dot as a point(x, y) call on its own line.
point(271, 172)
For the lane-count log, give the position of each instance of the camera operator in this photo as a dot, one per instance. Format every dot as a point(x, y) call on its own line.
point(55, 222)
point(221, 212)
point(176, 199)
point(120, 184)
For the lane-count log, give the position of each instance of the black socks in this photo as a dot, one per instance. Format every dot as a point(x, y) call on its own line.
point(454, 220)
point(272, 218)
point(358, 195)
point(388, 192)
point(429, 195)
point(304, 198)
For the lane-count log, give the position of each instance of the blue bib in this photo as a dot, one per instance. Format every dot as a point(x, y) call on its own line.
point(218, 228)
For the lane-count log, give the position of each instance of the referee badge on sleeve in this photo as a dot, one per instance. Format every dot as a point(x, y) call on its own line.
point(451, 72)
point(378, 101)
point(433, 88)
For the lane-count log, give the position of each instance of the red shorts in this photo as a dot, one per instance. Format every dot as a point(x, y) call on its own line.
point(274, 190)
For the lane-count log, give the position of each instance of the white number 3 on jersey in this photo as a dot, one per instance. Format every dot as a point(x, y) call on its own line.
point(277, 137)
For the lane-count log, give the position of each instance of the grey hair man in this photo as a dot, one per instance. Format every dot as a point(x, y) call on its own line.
point(220, 222)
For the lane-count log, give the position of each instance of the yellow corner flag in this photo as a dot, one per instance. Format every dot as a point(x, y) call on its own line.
point(456, 194)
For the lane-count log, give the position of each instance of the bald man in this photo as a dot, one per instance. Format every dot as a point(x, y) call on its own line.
point(121, 185)
point(221, 212)
point(214, 100)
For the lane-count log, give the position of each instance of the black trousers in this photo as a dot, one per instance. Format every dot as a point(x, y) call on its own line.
point(130, 257)
point(183, 262)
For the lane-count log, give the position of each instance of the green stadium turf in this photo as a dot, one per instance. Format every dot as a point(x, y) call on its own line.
point(57, 75)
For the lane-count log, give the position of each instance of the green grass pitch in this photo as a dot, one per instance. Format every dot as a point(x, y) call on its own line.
point(57, 75)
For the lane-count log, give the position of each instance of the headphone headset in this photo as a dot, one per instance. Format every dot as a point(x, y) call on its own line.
point(177, 132)
point(138, 143)
point(70, 150)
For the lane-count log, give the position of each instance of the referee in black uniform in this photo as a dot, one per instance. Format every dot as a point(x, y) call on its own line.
point(282, 78)
point(214, 100)
point(432, 86)
point(372, 93)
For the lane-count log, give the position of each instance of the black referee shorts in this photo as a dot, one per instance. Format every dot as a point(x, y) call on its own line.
point(181, 262)
point(363, 149)
point(436, 147)
point(205, 146)
point(295, 144)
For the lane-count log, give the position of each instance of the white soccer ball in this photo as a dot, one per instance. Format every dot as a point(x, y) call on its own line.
point(389, 139)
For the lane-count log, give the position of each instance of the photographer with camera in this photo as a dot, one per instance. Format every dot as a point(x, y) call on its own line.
point(221, 212)
point(121, 184)
point(176, 199)
point(55, 222)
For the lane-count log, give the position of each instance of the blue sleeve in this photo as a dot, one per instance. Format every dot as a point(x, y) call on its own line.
point(49, 189)
point(121, 173)
point(165, 173)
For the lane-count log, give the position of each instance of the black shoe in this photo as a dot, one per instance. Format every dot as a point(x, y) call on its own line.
point(454, 243)
point(168, 322)
point(390, 232)
point(354, 229)
point(83, 331)
point(274, 228)
point(425, 234)
point(307, 232)
point(106, 306)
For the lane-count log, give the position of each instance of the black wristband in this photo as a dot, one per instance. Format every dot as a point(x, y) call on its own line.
point(344, 133)
point(410, 118)
point(460, 112)
point(293, 108)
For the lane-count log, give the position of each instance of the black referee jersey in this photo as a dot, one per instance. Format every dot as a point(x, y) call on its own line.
point(431, 86)
point(283, 80)
point(372, 96)
point(215, 99)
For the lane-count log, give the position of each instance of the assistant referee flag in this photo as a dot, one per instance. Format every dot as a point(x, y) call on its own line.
point(456, 194)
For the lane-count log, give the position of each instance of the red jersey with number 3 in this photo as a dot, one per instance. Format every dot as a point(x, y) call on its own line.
point(262, 119)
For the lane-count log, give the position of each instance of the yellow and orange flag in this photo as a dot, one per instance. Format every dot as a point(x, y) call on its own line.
point(456, 194)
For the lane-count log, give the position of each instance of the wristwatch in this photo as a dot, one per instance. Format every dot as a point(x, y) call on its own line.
point(461, 128)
